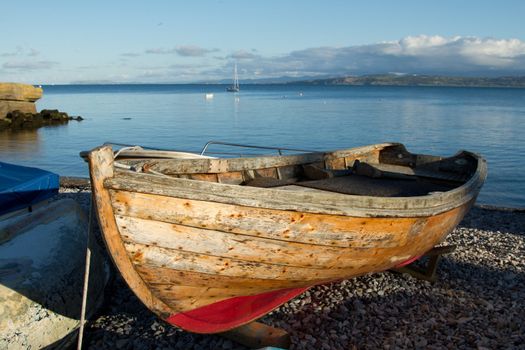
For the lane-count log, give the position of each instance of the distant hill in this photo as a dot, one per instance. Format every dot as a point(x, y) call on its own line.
point(274, 80)
point(419, 80)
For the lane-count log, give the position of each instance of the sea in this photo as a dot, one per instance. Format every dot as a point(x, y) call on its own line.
point(429, 120)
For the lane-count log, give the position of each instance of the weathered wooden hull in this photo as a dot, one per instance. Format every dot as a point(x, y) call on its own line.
point(209, 257)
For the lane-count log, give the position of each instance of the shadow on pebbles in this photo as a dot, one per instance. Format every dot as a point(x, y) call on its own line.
point(478, 302)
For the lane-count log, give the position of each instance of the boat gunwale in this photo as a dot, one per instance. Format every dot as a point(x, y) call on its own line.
point(202, 165)
point(312, 202)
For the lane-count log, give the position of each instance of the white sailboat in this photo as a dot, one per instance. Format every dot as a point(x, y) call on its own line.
point(235, 85)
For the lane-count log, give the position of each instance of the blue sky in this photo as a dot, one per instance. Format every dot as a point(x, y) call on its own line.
point(184, 41)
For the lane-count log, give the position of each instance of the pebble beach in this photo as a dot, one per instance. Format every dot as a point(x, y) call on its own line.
point(477, 302)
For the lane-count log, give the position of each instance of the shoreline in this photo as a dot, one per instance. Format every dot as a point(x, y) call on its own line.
point(477, 302)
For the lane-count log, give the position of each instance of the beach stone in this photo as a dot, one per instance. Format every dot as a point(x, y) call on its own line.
point(121, 343)
point(20, 92)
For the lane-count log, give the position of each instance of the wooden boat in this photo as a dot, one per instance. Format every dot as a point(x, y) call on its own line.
point(212, 244)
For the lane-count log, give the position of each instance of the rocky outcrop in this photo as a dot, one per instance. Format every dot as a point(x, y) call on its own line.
point(18, 110)
point(10, 106)
point(19, 92)
point(19, 120)
point(18, 97)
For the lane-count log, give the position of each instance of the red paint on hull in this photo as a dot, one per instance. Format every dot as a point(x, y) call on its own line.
point(408, 262)
point(231, 313)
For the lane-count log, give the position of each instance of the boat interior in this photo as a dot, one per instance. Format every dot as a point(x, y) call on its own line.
point(386, 170)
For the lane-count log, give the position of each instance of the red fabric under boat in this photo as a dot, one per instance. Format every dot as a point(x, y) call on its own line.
point(231, 313)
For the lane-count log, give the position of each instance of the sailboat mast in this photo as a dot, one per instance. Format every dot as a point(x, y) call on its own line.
point(235, 77)
point(235, 85)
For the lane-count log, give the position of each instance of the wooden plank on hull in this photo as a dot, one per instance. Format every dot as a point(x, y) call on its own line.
point(314, 229)
point(206, 293)
point(183, 297)
point(240, 247)
point(433, 232)
point(163, 275)
point(186, 261)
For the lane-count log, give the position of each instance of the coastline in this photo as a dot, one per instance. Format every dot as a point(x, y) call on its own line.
point(416, 80)
point(477, 301)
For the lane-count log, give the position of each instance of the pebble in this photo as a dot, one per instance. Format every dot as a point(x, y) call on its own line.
point(478, 302)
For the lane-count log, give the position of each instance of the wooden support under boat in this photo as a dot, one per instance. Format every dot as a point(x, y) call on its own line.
point(210, 245)
point(256, 335)
point(427, 272)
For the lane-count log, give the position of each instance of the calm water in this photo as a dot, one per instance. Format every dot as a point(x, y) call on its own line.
point(427, 120)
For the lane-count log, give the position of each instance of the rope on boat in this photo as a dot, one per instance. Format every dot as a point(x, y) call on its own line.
point(86, 275)
point(128, 167)
point(125, 166)
point(131, 148)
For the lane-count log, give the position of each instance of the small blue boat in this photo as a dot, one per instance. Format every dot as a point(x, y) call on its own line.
point(22, 187)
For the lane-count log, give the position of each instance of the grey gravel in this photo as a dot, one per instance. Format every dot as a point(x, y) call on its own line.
point(478, 302)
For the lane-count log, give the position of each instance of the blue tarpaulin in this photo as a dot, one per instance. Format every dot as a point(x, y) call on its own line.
point(21, 187)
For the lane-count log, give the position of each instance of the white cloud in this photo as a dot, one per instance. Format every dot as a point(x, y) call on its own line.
point(184, 50)
point(30, 65)
point(193, 51)
point(413, 54)
point(244, 55)
point(493, 52)
point(17, 52)
point(33, 52)
point(20, 51)
point(160, 51)
point(422, 54)
point(414, 45)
